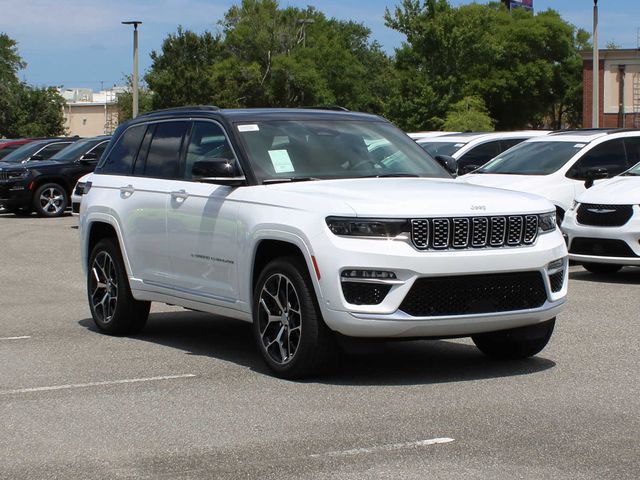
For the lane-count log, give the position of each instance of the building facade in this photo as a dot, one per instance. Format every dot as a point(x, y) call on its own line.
point(619, 95)
point(88, 113)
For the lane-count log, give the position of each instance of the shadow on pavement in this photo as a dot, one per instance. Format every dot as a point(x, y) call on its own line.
point(628, 275)
point(363, 363)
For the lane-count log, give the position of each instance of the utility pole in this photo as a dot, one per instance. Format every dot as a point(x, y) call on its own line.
point(134, 87)
point(595, 115)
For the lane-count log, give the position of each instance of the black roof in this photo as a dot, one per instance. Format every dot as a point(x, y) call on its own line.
point(256, 114)
point(592, 131)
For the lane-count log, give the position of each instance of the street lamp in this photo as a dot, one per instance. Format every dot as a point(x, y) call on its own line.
point(303, 22)
point(135, 24)
point(595, 115)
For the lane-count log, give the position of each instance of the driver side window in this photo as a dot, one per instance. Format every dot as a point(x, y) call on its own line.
point(609, 155)
point(207, 142)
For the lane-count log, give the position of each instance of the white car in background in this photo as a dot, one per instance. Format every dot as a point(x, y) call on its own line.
point(560, 166)
point(471, 150)
point(429, 134)
point(603, 227)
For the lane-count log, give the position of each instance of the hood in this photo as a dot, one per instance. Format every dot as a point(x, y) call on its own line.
point(405, 197)
point(30, 165)
point(616, 191)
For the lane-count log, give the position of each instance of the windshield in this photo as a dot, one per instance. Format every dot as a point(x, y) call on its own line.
point(22, 153)
point(75, 150)
point(633, 171)
point(441, 148)
point(321, 149)
point(533, 158)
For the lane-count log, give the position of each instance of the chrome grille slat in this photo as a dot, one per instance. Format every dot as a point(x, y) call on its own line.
point(474, 232)
point(4, 176)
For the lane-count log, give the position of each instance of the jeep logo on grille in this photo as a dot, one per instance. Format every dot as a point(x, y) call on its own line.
point(601, 210)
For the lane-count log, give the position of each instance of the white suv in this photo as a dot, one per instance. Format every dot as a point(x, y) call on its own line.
point(603, 227)
point(283, 218)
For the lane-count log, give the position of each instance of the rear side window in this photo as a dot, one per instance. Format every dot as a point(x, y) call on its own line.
point(163, 159)
point(609, 155)
point(99, 150)
point(122, 155)
point(481, 154)
point(48, 151)
point(510, 142)
point(632, 145)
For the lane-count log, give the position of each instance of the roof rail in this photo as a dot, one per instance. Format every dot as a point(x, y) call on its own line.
point(607, 130)
point(336, 108)
point(188, 108)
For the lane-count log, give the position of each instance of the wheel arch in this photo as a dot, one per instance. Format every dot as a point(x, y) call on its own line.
point(60, 180)
point(98, 227)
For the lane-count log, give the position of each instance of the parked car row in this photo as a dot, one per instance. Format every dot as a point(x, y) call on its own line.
point(40, 175)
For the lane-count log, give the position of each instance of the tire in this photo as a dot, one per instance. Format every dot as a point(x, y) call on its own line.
point(515, 343)
point(295, 342)
point(113, 308)
point(601, 268)
point(50, 200)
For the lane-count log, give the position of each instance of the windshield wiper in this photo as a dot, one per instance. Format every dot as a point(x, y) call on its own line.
point(289, 179)
point(392, 175)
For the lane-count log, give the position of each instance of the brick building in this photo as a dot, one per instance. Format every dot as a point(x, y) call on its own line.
point(619, 96)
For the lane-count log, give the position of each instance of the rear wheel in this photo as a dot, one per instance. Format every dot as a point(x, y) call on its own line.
point(50, 200)
point(601, 268)
point(516, 342)
point(113, 308)
point(288, 327)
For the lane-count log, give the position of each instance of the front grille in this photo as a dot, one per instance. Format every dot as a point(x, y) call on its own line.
point(359, 293)
point(472, 294)
point(4, 176)
point(556, 280)
point(602, 247)
point(474, 232)
point(604, 215)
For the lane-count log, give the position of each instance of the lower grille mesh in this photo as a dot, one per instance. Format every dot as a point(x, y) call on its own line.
point(471, 294)
point(359, 293)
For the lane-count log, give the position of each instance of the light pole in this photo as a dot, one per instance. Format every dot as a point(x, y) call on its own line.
point(134, 88)
point(595, 115)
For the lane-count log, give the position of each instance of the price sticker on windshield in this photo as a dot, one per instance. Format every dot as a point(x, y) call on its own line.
point(281, 161)
point(249, 128)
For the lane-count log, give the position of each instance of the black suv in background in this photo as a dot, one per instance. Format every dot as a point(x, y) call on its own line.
point(45, 185)
point(42, 149)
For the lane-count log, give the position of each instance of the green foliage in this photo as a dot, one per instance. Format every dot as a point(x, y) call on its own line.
point(25, 111)
point(521, 65)
point(469, 114)
point(125, 102)
point(267, 56)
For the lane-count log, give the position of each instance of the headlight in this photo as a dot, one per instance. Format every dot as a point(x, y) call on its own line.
point(17, 174)
point(366, 227)
point(547, 222)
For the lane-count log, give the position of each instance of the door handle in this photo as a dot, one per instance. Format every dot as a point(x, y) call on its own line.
point(179, 196)
point(126, 192)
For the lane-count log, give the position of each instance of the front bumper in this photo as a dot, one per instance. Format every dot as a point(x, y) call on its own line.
point(386, 319)
point(629, 234)
point(14, 195)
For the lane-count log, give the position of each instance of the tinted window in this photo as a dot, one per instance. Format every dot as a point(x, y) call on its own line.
point(441, 148)
point(50, 150)
point(99, 150)
point(609, 155)
point(121, 156)
point(22, 153)
point(206, 142)
point(481, 154)
point(163, 159)
point(632, 146)
point(7, 150)
point(508, 143)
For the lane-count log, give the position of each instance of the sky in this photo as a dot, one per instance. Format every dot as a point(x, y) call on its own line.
point(81, 43)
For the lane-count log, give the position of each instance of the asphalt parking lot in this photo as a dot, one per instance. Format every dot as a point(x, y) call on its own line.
point(190, 398)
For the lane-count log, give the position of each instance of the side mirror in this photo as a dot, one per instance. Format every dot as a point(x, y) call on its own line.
point(217, 170)
point(450, 164)
point(464, 169)
point(90, 156)
point(596, 173)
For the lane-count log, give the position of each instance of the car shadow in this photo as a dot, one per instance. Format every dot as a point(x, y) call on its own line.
point(360, 363)
point(627, 276)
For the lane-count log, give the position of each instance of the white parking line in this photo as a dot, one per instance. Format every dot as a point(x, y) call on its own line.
point(94, 384)
point(15, 338)
point(383, 448)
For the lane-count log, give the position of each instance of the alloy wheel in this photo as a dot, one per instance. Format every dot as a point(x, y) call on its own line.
point(52, 200)
point(104, 287)
point(280, 319)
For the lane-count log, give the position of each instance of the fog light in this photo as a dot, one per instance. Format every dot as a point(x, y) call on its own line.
point(373, 274)
point(556, 264)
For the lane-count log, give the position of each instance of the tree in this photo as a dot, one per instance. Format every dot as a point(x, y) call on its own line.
point(267, 56)
point(124, 101)
point(515, 61)
point(469, 114)
point(25, 111)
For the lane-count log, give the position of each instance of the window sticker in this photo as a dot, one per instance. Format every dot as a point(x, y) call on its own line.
point(249, 128)
point(579, 145)
point(281, 161)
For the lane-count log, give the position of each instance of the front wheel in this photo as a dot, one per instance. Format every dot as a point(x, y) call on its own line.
point(601, 268)
point(113, 308)
point(516, 342)
point(288, 327)
point(50, 200)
